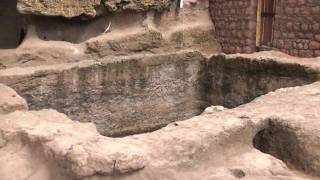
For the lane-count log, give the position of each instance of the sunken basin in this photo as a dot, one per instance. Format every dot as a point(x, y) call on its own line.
point(137, 94)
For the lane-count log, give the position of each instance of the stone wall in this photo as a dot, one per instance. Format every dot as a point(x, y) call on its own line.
point(297, 27)
point(235, 23)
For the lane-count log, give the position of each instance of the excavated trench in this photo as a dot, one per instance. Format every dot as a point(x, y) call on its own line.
point(137, 94)
point(131, 95)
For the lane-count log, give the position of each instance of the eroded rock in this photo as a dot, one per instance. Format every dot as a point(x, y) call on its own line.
point(53, 40)
point(217, 146)
point(74, 8)
point(10, 101)
point(133, 94)
point(79, 154)
point(137, 5)
point(65, 8)
point(213, 146)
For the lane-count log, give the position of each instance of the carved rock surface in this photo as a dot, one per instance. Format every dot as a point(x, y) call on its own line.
point(65, 8)
point(75, 8)
point(217, 146)
point(77, 153)
point(137, 5)
point(223, 145)
point(141, 93)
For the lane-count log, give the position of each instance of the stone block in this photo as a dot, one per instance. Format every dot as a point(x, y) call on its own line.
point(316, 27)
point(314, 45)
point(317, 37)
point(315, 10)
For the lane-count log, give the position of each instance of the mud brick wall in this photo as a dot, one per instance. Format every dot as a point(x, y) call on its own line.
point(297, 27)
point(235, 23)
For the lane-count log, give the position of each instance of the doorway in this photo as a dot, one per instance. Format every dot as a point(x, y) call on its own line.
point(266, 12)
point(10, 25)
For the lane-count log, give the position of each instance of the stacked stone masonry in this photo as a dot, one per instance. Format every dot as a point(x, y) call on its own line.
point(295, 31)
point(235, 23)
point(297, 27)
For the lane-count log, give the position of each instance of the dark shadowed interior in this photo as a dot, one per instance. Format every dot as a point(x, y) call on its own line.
point(11, 32)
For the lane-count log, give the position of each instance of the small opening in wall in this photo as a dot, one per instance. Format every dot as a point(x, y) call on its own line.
point(22, 35)
point(11, 32)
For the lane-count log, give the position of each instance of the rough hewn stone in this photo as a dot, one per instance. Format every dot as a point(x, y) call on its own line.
point(220, 145)
point(74, 8)
point(136, 5)
point(65, 8)
point(118, 94)
point(136, 94)
point(10, 101)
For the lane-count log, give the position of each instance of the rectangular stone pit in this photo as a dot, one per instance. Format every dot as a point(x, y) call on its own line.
point(137, 94)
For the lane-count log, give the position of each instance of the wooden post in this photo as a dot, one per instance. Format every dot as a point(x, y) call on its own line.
point(275, 11)
point(258, 27)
